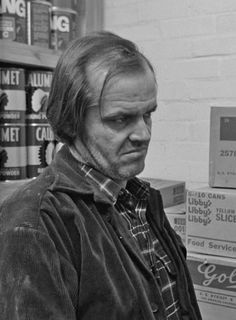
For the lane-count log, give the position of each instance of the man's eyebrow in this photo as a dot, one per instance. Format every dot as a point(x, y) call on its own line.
point(128, 112)
point(117, 114)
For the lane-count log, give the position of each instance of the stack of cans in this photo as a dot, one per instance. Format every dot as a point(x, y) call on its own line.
point(13, 151)
point(48, 24)
point(40, 138)
point(27, 143)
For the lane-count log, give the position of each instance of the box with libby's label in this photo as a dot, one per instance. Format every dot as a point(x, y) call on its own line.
point(177, 218)
point(222, 157)
point(211, 221)
point(214, 280)
point(173, 192)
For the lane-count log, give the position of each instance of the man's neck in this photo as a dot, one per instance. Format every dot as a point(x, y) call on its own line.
point(80, 153)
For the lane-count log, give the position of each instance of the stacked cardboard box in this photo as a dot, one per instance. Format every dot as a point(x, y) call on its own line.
point(172, 191)
point(173, 196)
point(214, 281)
point(222, 168)
point(177, 218)
point(211, 223)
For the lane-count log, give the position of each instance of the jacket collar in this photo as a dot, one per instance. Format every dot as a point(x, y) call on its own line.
point(68, 176)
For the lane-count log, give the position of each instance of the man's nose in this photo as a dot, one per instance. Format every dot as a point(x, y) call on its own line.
point(141, 131)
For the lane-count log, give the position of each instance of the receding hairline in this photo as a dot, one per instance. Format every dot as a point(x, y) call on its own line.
point(71, 91)
point(97, 69)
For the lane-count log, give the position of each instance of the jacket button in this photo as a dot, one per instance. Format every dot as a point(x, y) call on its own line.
point(154, 307)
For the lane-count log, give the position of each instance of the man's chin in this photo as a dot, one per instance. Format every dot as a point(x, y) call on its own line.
point(131, 171)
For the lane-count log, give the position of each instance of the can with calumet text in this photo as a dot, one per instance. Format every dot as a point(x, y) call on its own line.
point(12, 95)
point(41, 146)
point(13, 153)
point(40, 138)
point(13, 24)
point(38, 83)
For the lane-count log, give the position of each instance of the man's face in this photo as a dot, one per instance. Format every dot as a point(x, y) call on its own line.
point(117, 135)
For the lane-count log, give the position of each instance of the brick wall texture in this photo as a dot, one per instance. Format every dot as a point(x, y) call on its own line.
point(192, 45)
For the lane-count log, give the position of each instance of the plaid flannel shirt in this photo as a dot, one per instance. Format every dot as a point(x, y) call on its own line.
point(131, 204)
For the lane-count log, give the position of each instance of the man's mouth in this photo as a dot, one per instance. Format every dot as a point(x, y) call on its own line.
point(137, 151)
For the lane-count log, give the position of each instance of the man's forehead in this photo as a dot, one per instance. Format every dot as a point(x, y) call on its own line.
point(96, 75)
point(122, 88)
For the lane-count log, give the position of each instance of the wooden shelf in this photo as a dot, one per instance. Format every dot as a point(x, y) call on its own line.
point(19, 53)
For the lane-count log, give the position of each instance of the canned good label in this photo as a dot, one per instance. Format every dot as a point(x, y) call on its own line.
point(13, 23)
point(41, 146)
point(7, 28)
point(13, 152)
point(38, 23)
point(12, 135)
point(63, 26)
point(37, 89)
point(12, 95)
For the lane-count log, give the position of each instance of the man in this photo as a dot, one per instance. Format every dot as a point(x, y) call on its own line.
point(87, 239)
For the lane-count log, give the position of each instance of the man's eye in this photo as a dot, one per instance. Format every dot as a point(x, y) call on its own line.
point(120, 120)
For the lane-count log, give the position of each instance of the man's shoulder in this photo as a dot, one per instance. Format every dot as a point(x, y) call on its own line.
point(23, 205)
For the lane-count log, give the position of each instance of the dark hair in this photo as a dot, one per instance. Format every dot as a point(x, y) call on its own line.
point(71, 92)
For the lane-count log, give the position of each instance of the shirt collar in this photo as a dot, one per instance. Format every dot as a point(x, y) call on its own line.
point(112, 190)
point(135, 187)
point(105, 185)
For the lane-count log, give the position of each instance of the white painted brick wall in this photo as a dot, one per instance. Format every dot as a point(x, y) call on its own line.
point(192, 45)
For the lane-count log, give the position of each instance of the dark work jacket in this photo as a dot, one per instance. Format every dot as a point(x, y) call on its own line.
point(65, 254)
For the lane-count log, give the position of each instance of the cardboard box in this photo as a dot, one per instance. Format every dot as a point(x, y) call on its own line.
point(177, 218)
point(173, 192)
point(211, 221)
point(214, 281)
point(222, 158)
